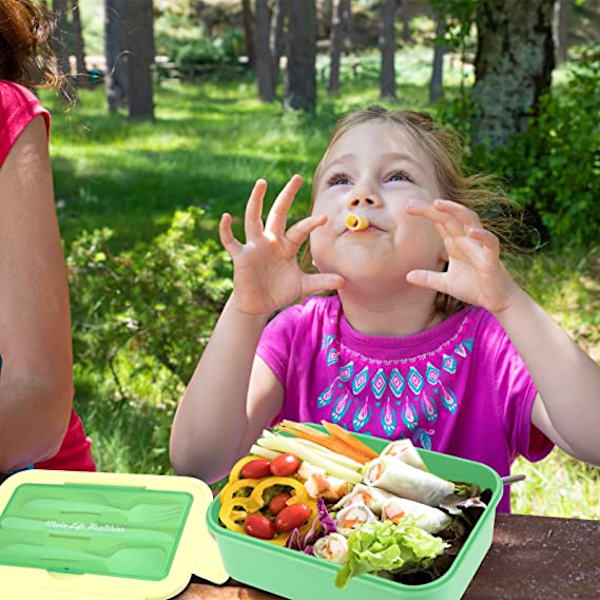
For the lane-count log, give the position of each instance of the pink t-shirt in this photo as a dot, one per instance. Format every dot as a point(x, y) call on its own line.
point(18, 107)
point(459, 387)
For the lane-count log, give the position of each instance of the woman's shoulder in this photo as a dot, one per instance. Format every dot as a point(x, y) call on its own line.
point(18, 107)
point(15, 97)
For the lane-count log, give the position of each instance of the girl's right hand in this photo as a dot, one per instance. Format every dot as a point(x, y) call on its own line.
point(266, 274)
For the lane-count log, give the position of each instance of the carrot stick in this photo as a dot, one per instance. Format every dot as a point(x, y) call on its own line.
point(327, 441)
point(341, 434)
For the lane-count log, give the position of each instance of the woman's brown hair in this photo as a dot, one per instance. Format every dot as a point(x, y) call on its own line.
point(443, 147)
point(25, 54)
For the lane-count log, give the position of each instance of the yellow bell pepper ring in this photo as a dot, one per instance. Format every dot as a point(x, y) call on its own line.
point(356, 222)
point(230, 490)
point(234, 474)
point(230, 515)
point(301, 495)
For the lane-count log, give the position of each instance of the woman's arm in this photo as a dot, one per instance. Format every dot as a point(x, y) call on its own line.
point(36, 383)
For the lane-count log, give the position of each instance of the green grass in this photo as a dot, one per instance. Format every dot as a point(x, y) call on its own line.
point(209, 143)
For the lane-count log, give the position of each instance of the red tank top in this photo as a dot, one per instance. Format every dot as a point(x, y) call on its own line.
point(18, 106)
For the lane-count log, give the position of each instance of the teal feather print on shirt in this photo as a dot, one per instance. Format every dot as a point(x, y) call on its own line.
point(361, 416)
point(409, 416)
point(340, 408)
point(449, 399)
point(422, 438)
point(429, 408)
point(326, 396)
point(388, 418)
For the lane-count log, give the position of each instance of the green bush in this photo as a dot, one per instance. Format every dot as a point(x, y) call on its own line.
point(142, 319)
point(197, 52)
point(553, 168)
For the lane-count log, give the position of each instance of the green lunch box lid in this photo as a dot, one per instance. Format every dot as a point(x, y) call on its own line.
point(69, 534)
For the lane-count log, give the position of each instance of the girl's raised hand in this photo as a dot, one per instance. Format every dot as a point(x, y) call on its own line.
point(266, 274)
point(475, 273)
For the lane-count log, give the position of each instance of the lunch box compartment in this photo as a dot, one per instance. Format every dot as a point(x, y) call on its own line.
point(298, 576)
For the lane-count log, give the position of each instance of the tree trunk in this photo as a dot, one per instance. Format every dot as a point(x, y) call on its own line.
point(436, 85)
point(116, 80)
point(138, 26)
point(348, 20)
point(405, 15)
point(59, 45)
point(248, 31)
point(337, 37)
point(277, 41)
point(562, 13)
point(387, 45)
point(513, 66)
point(82, 77)
point(300, 80)
point(262, 54)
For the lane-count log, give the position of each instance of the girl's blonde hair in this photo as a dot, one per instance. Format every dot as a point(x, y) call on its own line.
point(443, 147)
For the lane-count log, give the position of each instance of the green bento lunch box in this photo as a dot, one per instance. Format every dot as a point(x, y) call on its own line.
point(298, 576)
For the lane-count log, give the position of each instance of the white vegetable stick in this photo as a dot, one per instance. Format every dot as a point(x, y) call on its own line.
point(263, 452)
point(289, 445)
point(327, 453)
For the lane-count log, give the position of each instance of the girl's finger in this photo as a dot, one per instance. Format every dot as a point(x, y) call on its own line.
point(297, 233)
point(433, 280)
point(485, 237)
point(452, 215)
point(253, 226)
point(320, 282)
point(458, 216)
point(277, 219)
point(231, 245)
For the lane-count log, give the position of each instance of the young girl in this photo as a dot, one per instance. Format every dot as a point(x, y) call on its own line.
point(427, 336)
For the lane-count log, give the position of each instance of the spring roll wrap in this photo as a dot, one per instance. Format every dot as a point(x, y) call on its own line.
point(352, 517)
point(372, 497)
point(332, 547)
point(395, 476)
point(428, 518)
point(406, 452)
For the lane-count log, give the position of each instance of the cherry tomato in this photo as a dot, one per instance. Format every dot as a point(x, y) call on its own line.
point(259, 526)
point(278, 503)
point(292, 516)
point(256, 469)
point(284, 465)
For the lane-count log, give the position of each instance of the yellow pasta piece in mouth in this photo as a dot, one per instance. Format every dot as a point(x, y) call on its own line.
point(356, 222)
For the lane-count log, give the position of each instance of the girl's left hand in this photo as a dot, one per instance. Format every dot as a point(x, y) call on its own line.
point(475, 273)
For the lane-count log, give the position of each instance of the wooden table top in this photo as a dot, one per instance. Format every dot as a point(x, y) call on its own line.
point(531, 558)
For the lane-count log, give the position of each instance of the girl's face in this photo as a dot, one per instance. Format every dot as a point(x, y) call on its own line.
point(374, 170)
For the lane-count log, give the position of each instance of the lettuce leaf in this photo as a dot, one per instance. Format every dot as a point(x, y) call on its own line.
point(384, 546)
